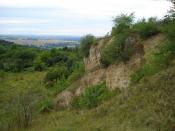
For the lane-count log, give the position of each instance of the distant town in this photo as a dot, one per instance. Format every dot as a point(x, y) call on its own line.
point(46, 42)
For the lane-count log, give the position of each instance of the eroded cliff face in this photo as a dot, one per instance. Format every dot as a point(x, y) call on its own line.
point(93, 61)
point(115, 76)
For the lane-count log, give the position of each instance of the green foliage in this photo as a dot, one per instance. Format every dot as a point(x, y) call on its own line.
point(146, 70)
point(55, 74)
point(22, 109)
point(16, 58)
point(62, 84)
point(39, 65)
point(117, 51)
point(78, 71)
point(92, 97)
point(2, 49)
point(169, 30)
point(46, 105)
point(122, 23)
point(146, 29)
point(159, 60)
point(158, 99)
point(2, 74)
point(86, 42)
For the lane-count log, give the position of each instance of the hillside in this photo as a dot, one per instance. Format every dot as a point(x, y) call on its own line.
point(124, 81)
point(148, 106)
point(145, 106)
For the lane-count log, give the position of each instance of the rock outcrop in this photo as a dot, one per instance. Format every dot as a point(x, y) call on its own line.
point(115, 76)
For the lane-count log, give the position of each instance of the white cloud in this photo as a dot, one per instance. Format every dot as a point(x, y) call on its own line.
point(74, 16)
point(17, 21)
point(96, 7)
point(56, 31)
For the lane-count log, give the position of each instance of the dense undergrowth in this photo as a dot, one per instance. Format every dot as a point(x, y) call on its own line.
point(93, 96)
point(149, 106)
point(30, 79)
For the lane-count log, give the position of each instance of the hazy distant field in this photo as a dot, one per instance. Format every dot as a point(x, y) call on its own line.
point(44, 41)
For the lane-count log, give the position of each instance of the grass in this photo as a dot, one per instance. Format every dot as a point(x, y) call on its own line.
point(148, 106)
point(15, 91)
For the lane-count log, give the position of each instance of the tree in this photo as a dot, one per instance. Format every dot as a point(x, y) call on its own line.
point(122, 23)
point(85, 45)
point(171, 14)
point(56, 74)
point(173, 2)
point(39, 65)
point(147, 28)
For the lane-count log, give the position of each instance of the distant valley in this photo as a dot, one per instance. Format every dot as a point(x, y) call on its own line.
point(43, 41)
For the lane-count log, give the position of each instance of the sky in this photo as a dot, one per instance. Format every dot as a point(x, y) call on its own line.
point(72, 17)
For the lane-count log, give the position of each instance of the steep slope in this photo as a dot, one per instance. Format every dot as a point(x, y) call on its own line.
point(116, 75)
point(148, 106)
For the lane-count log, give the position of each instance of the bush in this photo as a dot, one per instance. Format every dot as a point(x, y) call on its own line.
point(46, 105)
point(55, 74)
point(140, 73)
point(22, 109)
point(85, 44)
point(92, 97)
point(117, 51)
point(147, 29)
point(122, 23)
point(159, 60)
point(169, 30)
point(39, 65)
point(78, 70)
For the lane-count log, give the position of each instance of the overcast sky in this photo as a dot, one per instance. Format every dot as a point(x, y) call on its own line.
point(71, 17)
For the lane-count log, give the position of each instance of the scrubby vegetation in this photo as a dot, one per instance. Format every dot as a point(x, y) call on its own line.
point(15, 58)
point(146, 29)
point(30, 79)
point(162, 57)
point(148, 106)
point(86, 42)
point(92, 97)
point(124, 29)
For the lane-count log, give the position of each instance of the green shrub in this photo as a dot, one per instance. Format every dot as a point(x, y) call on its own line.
point(92, 97)
point(22, 108)
point(117, 51)
point(122, 23)
point(85, 44)
point(39, 65)
point(46, 105)
point(159, 60)
point(78, 70)
point(169, 30)
point(55, 74)
point(146, 29)
point(140, 73)
point(2, 74)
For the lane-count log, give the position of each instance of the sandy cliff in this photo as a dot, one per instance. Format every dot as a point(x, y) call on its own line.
point(115, 76)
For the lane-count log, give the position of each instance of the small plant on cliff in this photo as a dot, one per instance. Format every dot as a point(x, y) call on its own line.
point(117, 50)
point(86, 43)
